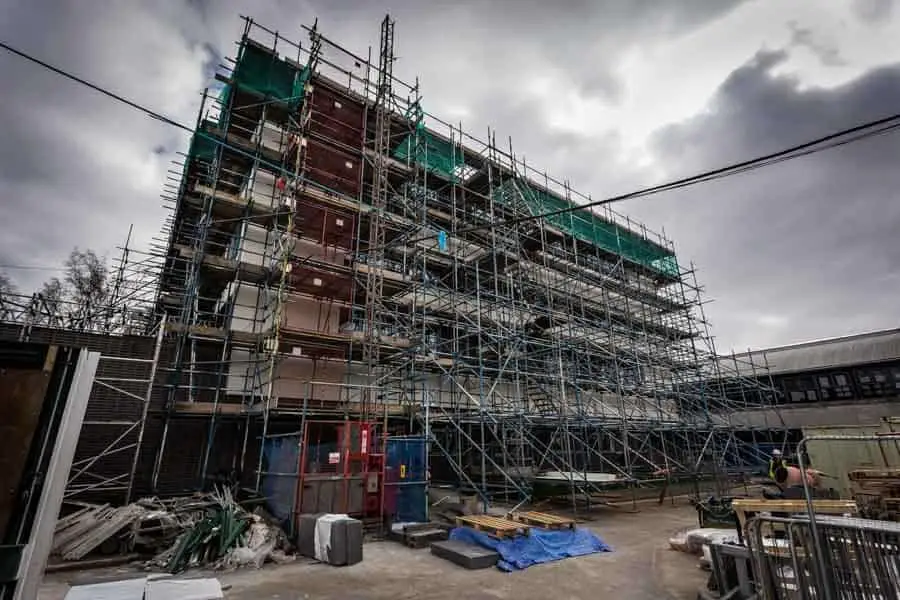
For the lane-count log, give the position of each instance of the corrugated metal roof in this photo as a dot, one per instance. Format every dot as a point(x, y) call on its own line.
point(878, 346)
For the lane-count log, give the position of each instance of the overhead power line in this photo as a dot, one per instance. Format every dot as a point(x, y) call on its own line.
point(31, 268)
point(838, 138)
point(832, 140)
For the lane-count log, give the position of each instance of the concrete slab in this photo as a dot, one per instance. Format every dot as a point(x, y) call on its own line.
point(465, 555)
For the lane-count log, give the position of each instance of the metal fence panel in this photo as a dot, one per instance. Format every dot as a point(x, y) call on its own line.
point(853, 558)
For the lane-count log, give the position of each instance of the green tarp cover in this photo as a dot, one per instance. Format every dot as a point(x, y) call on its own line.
point(261, 71)
point(203, 146)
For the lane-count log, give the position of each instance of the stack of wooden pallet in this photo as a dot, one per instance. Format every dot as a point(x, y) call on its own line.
point(877, 492)
point(515, 523)
point(498, 527)
point(543, 520)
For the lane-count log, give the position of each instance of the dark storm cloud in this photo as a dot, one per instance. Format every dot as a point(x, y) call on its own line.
point(805, 249)
point(77, 169)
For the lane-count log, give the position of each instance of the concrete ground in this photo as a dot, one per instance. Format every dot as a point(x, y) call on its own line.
point(641, 566)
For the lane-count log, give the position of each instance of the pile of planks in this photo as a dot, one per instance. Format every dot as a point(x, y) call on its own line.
point(877, 491)
point(146, 526)
point(92, 526)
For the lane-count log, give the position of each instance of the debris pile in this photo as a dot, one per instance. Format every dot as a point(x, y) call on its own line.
point(211, 530)
point(91, 527)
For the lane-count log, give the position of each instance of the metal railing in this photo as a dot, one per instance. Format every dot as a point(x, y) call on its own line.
point(846, 558)
point(825, 557)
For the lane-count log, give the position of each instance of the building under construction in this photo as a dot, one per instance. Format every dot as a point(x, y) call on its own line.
point(338, 252)
point(341, 266)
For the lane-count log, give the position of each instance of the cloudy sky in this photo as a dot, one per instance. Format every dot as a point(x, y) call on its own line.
point(609, 94)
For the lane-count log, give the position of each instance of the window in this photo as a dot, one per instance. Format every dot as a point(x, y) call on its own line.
point(801, 389)
point(826, 387)
point(842, 387)
point(873, 382)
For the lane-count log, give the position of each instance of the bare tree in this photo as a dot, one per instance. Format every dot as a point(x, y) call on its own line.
point(7, 290)
point(79, 298)
point(51, 300)
point(86, 286)
point(6, 285)
point(87, 277)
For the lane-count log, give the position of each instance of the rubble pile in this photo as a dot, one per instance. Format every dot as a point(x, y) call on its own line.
point(211, 530)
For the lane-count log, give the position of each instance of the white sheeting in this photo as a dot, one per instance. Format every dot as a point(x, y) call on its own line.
point(322, 537)
point(126, 589)
point(183, 589)
point(149, 588)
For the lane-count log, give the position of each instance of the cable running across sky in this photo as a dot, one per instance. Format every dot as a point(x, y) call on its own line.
point(836, 139)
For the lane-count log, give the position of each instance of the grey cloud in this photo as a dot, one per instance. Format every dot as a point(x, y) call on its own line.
point(873, 11)
point(76, 169)
point(811, 241)
point(825, 51)
point(580, 37)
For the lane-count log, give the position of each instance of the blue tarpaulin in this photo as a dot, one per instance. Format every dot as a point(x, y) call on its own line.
point(279, 484)
point(540, 546)
point(406, 479)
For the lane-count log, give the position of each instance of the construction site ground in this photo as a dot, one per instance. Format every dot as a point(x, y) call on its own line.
point(641, 566)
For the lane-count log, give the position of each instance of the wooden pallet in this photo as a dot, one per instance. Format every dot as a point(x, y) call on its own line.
point(545, 520)
point(495, 526)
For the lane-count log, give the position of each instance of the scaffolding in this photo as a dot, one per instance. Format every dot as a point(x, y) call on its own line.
point(337, 251)
point(120, 323)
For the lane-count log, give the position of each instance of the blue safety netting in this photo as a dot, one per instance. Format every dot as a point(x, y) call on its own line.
point(538, 547)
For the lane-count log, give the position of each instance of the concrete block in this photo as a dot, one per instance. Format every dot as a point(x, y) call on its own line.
point(346, 543)
point(306, 535)
point(465, 555)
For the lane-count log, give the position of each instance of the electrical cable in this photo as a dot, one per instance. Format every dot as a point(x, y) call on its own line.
point(853, 134)
point(31, 268)
point(132, 104)
point(833, 140)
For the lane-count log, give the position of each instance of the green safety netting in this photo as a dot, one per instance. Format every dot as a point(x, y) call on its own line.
point(203, 146)
point(439, 156)
point(434, 154)
point(588, 227)
point(261, 71)
point(224, 96)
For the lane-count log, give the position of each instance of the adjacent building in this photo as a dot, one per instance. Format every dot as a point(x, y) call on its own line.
point(851, 380)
